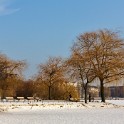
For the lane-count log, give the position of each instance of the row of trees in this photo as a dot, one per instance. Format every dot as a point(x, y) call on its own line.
point(98, 55)
point(94, 56)
point(50, 83)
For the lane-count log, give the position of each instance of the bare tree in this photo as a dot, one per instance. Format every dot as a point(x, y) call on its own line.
point(9, 69)
point(104, 51)
point(51, 73)
point(80, 69)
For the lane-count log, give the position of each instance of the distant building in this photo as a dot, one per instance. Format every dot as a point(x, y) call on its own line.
point(116, 91)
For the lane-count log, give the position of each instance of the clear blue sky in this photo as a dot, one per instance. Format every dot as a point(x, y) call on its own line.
point(33, 30)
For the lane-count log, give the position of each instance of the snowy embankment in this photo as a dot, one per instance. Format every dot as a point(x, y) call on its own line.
point(20, 106)
point(61, 112)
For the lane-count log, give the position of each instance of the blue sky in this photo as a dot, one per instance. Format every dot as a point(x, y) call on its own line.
point(33, 30)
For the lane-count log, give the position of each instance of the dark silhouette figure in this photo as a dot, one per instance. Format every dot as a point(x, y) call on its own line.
point(70, 96)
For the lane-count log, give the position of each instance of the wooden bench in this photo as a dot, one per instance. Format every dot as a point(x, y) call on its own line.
point(9, 99)
point(21, 99)
point(33, 99)
point(30, 98)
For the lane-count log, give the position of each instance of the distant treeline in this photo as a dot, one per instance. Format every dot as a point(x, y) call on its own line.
point(94, 55)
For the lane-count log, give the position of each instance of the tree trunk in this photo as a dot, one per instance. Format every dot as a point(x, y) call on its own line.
point(89, 97)
point(102, 91)
point(3, 94)
point(49, 97)
point(85, 93)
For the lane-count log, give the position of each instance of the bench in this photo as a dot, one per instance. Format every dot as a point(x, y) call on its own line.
point(9, 99)
point(30, 98)
point(33, 99)
point(20, 99)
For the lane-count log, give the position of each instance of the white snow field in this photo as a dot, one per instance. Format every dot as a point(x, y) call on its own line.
point(60, 112)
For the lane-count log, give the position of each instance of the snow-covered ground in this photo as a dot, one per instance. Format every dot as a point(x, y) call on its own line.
point(61, 112)
point(116, 102)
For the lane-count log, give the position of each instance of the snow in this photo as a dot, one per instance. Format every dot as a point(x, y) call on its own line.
point(61, 112)
point(116, 102)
